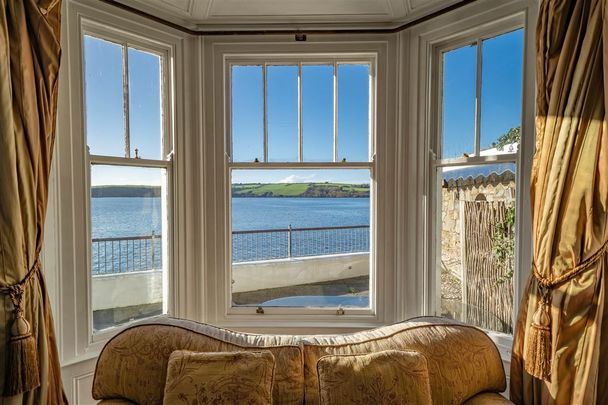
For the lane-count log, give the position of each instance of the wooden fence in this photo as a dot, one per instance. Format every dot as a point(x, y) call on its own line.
point(487, 288)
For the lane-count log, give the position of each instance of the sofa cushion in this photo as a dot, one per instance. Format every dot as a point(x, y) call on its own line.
point(219, 378)
point(133, 364)
point(462, 360)
point(390, 377)
point(488, 398)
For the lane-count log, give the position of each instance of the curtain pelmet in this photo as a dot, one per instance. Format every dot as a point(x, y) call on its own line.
point(570, 207)
point(29, 65)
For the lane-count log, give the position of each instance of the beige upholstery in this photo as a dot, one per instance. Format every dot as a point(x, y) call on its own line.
point(133, 365)
point(384, 378)
point(488, 398)
point(462, 361)
point(219, 378)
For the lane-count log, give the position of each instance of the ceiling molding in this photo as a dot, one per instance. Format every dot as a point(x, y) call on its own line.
point(195, 17)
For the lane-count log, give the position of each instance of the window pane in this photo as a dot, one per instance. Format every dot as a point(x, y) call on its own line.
point(459, 93)
point(144, 104)
point(292, 250)
point(282, 82)
point(247, 113)
point(318, 113)
point(105, 131)
point(476, 258)
point(353, 113)
point(501, 92)
point(128, 254)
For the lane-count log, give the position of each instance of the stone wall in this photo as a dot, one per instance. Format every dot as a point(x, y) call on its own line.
point(495, 187)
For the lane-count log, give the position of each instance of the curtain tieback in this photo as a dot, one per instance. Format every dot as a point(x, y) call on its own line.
point(538, 354)
point(23, 369)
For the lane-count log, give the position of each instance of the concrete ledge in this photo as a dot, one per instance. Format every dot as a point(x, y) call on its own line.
point(123, 290)
point(252, 276)
point(127, 289)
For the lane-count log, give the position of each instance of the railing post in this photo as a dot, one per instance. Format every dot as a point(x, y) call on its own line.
point(289, 241)
point(153, 250)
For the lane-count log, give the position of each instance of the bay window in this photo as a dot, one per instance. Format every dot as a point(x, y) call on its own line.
point(475, 180)
point(300, 162)
point(129, 161)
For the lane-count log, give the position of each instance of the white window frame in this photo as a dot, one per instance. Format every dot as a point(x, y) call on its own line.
point(454, 40)
point(125, 41)
point(300, 60)
point(218, 54)
point(71, 195)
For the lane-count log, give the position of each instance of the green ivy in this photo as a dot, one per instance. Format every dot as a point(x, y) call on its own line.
point(513, 135)
point(504, 243)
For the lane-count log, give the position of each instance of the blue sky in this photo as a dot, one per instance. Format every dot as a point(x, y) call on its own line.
point(501, 93)
point(500, 110)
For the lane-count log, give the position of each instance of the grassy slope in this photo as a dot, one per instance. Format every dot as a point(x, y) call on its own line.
point(300, 190)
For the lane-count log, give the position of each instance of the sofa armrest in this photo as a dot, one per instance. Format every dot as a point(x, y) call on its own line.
point(488, 398)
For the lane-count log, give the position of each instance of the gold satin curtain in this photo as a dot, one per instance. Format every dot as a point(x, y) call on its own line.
point(29, 64)
point(570, 203)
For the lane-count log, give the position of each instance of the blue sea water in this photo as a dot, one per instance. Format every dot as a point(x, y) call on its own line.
point(130, 217)
point(136, 216)
point(272, 213)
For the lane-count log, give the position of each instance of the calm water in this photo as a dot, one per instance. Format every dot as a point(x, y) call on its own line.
point(117, 217)
point(129, 217)
point(272, 213)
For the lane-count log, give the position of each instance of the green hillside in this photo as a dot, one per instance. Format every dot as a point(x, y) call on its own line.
point(306, 190)
point(125, 191)
point(310, 190)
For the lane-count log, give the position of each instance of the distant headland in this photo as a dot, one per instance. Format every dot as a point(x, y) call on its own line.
point(292, 190)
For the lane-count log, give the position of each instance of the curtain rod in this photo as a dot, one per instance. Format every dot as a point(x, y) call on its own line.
point(202, 32)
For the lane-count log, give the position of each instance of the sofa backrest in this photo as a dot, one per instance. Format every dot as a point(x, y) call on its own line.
point(133, 364)
point(462, 360)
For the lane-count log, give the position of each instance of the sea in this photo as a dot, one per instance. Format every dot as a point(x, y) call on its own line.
point(131, 217)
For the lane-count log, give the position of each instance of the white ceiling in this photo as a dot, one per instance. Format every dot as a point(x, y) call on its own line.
point(222, 14)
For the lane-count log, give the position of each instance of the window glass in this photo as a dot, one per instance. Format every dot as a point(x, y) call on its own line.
point(145, 117)
point(247, 113)
point(501, 92)
point(476, 258)
point(128, 259)
point(459, 94)
point(104, 112)
point(318, 113)
point(353, 112)
point(282, 99)
point(301, 238)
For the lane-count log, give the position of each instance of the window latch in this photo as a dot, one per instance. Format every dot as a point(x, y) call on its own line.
point(340, 311)
point(259, 310)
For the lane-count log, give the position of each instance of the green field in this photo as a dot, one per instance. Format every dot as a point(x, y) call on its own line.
point(125, 191)
point(311, 190)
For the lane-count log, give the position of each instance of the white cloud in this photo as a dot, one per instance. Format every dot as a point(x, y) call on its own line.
point(294, 178)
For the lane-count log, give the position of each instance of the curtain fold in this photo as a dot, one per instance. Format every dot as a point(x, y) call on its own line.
point(566, 293)
point(29, 67)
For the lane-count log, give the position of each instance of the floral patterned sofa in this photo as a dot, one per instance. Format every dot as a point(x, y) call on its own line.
point(463, 363)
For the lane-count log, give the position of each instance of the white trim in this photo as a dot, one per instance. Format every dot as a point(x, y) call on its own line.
point(166, 82)
point(485, 18)
point(220, 52)
point(265, 60)
point(73, 317)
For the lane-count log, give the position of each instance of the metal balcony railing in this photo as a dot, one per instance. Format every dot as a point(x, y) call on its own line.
point(142, 253)
point(126, 254)
point(269, 244)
